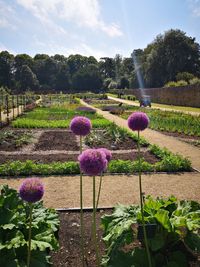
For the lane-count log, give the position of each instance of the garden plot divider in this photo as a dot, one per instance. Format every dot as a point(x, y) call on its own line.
point(12, 106)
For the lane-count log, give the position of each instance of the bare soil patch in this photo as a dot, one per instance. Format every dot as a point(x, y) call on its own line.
point(57, 140)
point(69, 238)
point(63, 157)
point(103, 138)
point(12, 140)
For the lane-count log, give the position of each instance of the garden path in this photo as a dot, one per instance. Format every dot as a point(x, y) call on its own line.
point(135, 103)
point(63, 191)
point(154, 137)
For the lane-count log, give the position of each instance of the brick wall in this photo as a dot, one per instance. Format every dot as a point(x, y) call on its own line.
point(180, 96)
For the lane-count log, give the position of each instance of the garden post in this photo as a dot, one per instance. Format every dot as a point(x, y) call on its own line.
point(0, 116)
point(13, 107)
point(7, 109)
point(17, 105)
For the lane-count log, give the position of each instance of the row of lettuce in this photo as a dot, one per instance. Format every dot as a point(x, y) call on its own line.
point(169, 162)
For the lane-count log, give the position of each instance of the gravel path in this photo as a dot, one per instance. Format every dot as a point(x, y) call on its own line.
point(160, 139)
point(63, 191)
point(134, 103)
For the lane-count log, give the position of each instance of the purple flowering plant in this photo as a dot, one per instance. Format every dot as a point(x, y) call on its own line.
point(81, 126)
point(93, 162)
point(31, 190)
point(139, 121)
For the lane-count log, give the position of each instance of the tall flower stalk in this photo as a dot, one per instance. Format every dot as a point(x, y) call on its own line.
point(81, 126)
point(29, 234)
point(108, 157)
point(31, 190)
point(93, 162)
point(81, 207)
point(138, 121)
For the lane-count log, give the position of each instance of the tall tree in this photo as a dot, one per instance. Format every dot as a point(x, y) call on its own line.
point(107, 67)
point(87, 79)
point(170, 54)
point(28, 80)
point(20, 61)
point(6, 69)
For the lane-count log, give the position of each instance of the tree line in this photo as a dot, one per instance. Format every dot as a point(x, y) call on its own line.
point(170, 54)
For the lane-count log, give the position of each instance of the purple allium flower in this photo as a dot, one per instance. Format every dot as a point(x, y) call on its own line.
point(107, 153)
point(93, 162)
point(80, 126)
point(138, 121)
point(31, 190)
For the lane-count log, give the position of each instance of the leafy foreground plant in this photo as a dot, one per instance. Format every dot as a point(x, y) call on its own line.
point(14, 231)
point(175, 243)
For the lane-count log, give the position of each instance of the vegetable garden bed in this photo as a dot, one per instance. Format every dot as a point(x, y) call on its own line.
point(119, 229)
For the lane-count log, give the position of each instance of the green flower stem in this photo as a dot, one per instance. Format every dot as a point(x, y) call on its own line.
point(29, 234)
point(141, 202)
point(99, 192)
point(94, 224)
point(81, 213)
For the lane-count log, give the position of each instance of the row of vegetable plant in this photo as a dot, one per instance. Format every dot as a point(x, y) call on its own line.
point(170, 121)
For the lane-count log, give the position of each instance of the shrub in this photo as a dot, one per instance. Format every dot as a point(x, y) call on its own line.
point(194, 81)
point(176, 84)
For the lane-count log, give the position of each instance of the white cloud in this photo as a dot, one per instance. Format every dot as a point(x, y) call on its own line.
point(83, 13)
point(195, 7)
point(7, 16)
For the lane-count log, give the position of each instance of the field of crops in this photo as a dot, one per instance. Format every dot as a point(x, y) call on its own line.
point(42, 142)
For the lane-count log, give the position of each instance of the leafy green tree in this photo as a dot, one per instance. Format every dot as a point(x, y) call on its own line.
point(28, 80)
point(63, 81)
point(20, 61)
point(169, 54)
point(76, 63)
point(87, 79)
point(107, 67)
point(124, 83)
point(6, 69)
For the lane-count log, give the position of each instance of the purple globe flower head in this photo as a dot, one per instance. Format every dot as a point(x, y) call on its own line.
point(80, 126)
point(138, 121)
point(31, 190)
point(107, 153)
point(93, 162)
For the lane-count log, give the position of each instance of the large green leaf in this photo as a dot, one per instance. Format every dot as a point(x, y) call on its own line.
point(162, 217)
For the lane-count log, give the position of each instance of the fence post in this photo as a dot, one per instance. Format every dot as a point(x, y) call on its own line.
point(17, 105)
point(7, 109)
point(13, 106)
point(21, 104)
point(25, 102)
point(0, 117)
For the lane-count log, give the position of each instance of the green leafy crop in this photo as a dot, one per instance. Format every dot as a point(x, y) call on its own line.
point(14, 214)
point(176, 240)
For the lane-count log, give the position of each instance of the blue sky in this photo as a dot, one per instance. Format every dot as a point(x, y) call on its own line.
point(92, 27)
